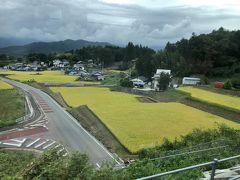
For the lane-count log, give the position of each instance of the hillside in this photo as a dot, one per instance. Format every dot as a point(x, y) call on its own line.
point(216, 54)
point(5, 42)
point(49, 47)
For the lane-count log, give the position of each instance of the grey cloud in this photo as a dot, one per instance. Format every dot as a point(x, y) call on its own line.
point(48, 20)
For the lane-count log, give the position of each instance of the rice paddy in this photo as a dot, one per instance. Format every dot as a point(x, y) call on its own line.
point(138, 125)
point(42, 76)
point(232, 102)
point(4, 85)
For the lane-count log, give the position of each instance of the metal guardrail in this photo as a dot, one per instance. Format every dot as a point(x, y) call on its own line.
point(213, 163)
point(28, 111)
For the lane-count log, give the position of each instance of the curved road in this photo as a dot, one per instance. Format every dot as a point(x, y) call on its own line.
point(65, 128)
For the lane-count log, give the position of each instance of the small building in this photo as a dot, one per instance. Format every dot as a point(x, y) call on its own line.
point(191, 81)
point(57, 63)
point(157, 75)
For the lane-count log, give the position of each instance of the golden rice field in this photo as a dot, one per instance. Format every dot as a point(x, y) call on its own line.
point(138, 125)
point(43, 76)
point(228, 101)
point(4, 85)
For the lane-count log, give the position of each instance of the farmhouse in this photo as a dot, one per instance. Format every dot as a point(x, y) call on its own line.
point(190, 81)
point(157, 76)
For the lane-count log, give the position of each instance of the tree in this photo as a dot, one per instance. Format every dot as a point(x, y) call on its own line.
point(164, 81)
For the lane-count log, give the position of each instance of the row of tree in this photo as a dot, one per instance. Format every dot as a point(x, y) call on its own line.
point(214, 54)
point(106, 55)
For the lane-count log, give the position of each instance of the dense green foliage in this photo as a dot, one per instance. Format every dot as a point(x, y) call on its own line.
point(236, 83)
point(110, 54)
point(13, 162)
point(5, 60)
point(12, 106)
point(214, 54)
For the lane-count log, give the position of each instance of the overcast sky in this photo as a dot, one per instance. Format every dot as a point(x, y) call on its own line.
point(149, 22)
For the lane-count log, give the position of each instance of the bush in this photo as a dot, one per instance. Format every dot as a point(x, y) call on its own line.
point(227, 85)
point(125, 82)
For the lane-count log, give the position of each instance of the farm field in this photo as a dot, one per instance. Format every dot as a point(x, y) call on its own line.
point(138, 125)
point(4, 85)
point(232, 102)
point(42, 76)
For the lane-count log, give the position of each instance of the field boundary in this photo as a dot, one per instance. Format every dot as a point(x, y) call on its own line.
point(215, 110)
point(211, 103)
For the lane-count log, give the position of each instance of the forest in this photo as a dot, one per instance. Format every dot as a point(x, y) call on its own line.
point(214, 54)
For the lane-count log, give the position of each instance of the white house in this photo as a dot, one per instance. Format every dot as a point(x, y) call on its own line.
point(190, 81)
point(157, 76)
point(57, 62)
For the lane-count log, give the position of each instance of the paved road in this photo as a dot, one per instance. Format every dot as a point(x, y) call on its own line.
point(64, 128)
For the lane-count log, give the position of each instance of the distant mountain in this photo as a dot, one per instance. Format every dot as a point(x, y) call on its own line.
point(5, 42)
point(49, 47)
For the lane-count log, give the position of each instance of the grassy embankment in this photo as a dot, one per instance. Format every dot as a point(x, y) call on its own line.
point(138, 125)
point(12, 104)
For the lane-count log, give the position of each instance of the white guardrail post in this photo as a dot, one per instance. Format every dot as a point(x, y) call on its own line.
point(214, 166)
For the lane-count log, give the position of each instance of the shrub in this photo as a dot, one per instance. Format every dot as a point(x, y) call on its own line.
point(164, 81)
point(227, 85)
point(125, 82)
point(218, 84)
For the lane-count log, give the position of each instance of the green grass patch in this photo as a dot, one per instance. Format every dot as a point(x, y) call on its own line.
point(113, 78)
point(12, 106)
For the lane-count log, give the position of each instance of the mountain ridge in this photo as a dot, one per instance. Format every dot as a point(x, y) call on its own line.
point(49, 47)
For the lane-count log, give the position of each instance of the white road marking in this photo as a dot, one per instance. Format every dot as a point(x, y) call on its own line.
point(98, 165)
point(47, 146)
point(57, 146)
point(37, 125)
point(61, 150)
point(20, 141)
point(33, 142)
point(37, 146)
point(13, 144)
point(65, 154)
